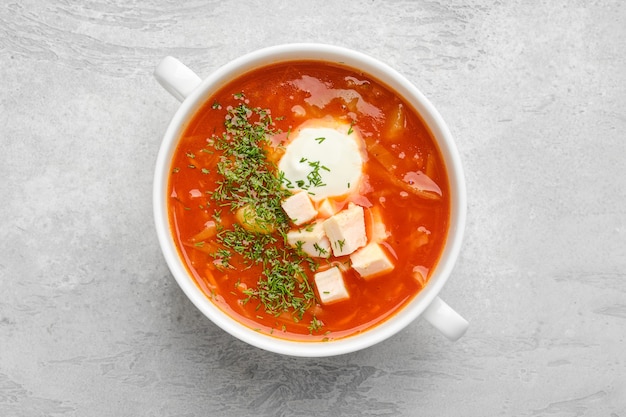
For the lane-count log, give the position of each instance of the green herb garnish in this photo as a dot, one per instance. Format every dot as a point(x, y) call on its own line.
point(320, 250)
point(350, 130)
point(315, 325)
point(252, 186)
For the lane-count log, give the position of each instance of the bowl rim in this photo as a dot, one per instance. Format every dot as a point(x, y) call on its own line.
point(394, 80)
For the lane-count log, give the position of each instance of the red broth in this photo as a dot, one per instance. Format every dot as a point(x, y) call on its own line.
point(400, 150)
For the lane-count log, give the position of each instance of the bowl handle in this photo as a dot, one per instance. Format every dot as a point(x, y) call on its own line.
point(176, 77)
point(445, 319)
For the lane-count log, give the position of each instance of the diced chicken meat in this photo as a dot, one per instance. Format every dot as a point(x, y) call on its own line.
point(346, 230)
point(330, 286)
point(371, 261)
point(299, 208)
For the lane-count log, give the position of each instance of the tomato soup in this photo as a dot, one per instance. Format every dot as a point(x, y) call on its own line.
point(308, 200)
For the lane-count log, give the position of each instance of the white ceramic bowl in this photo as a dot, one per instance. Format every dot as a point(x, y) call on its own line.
point(185, 85)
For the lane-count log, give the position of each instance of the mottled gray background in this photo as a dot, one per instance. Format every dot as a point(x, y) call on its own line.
point(93, 324)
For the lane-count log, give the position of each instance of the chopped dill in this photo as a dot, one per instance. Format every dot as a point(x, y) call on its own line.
point(350, 130)
point(315, 325)
point(314, 177)
point(251, 184)
point(320, 250)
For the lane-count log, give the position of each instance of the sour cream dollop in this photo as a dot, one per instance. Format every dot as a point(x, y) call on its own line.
point(323, 157)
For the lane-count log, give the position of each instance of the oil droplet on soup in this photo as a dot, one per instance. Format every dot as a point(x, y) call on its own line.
point(308, 201)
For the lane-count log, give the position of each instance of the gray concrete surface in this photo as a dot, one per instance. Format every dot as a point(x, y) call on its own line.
point(93, 324)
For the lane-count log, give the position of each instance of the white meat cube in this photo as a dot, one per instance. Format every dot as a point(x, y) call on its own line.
point(299, 208)
point(326, 208)
point(346, 230)
point(330, 286)
point(311, 240)
point(371, 261)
